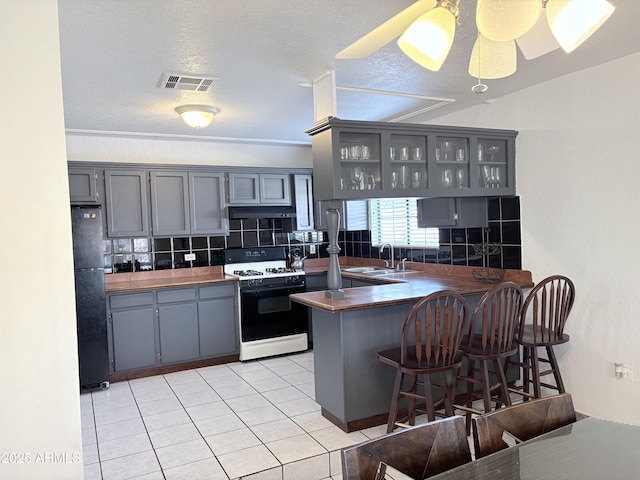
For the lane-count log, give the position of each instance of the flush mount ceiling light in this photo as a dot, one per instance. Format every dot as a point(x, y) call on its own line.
point(427, 28)
point(197, 116)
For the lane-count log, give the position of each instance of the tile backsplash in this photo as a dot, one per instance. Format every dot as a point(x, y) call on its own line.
point(163, 253)
point(456, 244)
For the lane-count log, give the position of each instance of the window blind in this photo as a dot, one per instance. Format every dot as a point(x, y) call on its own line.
point(395, 220)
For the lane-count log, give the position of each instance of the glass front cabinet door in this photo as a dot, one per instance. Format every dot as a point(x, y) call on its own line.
point(408, 172)
point(360, 164)
point(363, 160)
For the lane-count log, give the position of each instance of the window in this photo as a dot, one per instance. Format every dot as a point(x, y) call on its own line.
point(395, 220)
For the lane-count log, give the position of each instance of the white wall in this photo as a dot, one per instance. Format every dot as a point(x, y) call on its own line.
point(185, 151)
point(578, 174)
point(40, 404)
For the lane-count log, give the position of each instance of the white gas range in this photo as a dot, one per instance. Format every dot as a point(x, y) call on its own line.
point(270, 323)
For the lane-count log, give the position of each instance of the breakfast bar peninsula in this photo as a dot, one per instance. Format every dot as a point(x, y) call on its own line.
point(352, 386)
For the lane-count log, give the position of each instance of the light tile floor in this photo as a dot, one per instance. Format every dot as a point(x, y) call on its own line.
point(253, 420)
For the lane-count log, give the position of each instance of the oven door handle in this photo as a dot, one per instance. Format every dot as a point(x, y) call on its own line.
point(271, 291)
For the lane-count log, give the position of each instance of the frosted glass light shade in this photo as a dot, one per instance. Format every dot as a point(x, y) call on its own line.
point(573, 21)
point(502, 20)
point(197, 116)
point(428, 40)
point(491, 60)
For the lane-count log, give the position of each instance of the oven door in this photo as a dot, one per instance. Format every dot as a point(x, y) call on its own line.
point(268, 312)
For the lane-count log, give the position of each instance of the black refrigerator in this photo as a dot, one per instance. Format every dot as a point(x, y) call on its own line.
point(91, 311)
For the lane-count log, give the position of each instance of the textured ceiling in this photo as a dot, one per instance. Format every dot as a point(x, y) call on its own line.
point(114, 53)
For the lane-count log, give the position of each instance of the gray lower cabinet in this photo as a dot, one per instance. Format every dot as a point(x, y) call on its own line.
point(83, 186)
point(172, 325)
point(132, 333)
point(316, 282)
point(357, 282)
point(126, 203)
point(217, 321)
point(178, 325)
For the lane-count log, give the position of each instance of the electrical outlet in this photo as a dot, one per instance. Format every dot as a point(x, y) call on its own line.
point(627, 374)
point(312, 249)
point(189, 257)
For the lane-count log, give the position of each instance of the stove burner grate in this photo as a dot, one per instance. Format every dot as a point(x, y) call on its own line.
point(247, 273)
point(280, 270)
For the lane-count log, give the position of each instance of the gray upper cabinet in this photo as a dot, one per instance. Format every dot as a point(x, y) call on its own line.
point(466, 212)
point(184, 203)
point(126, 203)
point(360, 160)
point(303, 194)
point(83, 184)
point(170, 203)
point(354, 214)
point(259, 189)
point(206, 204)
point(244, 189)
point(275, 189)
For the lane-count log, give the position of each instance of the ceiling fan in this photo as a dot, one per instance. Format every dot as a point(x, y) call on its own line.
point(426, 29)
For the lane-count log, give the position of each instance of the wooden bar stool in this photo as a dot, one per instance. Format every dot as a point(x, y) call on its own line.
point(544, 316)
point(490, 339)
point(429, 345)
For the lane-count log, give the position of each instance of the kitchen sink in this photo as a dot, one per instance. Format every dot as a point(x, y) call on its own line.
point(375, 271)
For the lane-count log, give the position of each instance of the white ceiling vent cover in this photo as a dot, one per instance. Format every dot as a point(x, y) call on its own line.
point(174, 81)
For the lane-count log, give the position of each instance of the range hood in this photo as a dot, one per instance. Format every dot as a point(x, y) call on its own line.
point(262, 212)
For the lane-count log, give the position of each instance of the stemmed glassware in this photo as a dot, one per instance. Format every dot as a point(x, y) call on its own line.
point(491, 176)
point(446, 146)
point(356, 178)
point(492, 150)
point(447, 179)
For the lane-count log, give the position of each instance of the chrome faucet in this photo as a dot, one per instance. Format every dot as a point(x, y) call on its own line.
point(392, 256)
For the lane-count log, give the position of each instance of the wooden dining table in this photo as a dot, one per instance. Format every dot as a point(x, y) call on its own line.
point(588, 449)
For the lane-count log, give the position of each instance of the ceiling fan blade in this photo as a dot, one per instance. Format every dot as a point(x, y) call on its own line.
point(383, 34)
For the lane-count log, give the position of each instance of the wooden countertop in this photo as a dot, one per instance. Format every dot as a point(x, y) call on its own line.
point(400, 287)
point(125, 282)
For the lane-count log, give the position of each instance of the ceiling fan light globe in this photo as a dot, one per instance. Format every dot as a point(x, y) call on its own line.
point(573, 21)
point(503, 20)
point(491, 60)
point(197, 116)
point(428, 40)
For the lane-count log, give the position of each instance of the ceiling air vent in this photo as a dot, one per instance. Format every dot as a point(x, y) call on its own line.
point(186, 82)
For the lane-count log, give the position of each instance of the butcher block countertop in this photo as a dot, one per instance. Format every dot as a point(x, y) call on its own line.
point(400, 287)
point(125, 282)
